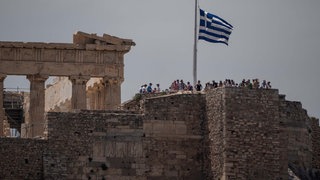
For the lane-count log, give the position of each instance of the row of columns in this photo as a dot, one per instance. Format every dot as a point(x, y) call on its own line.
point(106, 95)
point(109, 99)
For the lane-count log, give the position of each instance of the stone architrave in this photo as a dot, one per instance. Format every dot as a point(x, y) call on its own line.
point(35, 126)
point(88, 55)
point(78, 99)
point(2, 114)
point(112, 93)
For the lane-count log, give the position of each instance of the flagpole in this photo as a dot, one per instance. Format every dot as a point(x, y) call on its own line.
point(195, 43)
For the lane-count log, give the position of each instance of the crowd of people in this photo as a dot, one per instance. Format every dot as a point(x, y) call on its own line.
point(254, 84)
point(149, 89)
point(181, 86)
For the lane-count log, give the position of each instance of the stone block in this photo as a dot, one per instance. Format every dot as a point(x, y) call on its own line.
point(99, 149)
point(110, 149)
point(168, 128)
point(121, 149)
point(156, 170)
point(99, 134)
point(181, 156)
point(180, 128)
point(136, 150)
point(171, 173)
point(158, 127)
point(99, 158)
point(148, 127)
point(113, 171)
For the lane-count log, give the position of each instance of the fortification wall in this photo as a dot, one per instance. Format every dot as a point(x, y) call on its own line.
point(297, 127)
point(22, 158)
point(245, 137)
point(165, 142)
point(215, 113)
point(315, 143)
point(93, 144)
point(227, 133)
point(137, 102)
point(174, 127)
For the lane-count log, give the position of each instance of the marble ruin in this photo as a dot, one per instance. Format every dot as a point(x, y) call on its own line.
point(226, 133)
point(89, 56)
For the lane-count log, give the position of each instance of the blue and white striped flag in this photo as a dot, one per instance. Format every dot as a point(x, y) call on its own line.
point(213, 28)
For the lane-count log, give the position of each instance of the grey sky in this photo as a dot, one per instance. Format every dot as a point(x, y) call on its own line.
point(276, 40)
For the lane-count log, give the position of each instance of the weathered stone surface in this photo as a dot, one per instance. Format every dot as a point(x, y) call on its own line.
point(227, 133)
point(62, 59)
point(251, 133)
point(315, 143)
point(22, 158)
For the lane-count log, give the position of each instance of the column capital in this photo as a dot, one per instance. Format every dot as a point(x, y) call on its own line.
point(112, 92)
point(79, 79)
point(112, 80)
point(37, 77)
point(78, 99)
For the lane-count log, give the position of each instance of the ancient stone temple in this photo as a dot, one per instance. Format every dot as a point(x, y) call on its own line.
point(225, 133)
point(89, 56)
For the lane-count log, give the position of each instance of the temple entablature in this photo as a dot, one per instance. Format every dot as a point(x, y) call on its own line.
point(98, 56)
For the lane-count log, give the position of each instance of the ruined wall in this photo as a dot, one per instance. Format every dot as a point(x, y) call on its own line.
point(284, 134)
point(164, 143)
point(174, 129)
point(315, 143)
point(137, 102)
point(96, 145)
point(215, 113)
point(247, 124)
point(227, 133)
point(21, 158)
point(297, 127)
point(58, 95)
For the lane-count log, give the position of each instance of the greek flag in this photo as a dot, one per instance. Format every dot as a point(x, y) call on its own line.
point(213, 28)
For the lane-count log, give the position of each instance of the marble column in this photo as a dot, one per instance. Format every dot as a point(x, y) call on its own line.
point(100, 96)
point(116, 91)
point(90, 99)
point(78, 99)
point(2, 112)
point(96, 99)
point(35, 126)
point(112, 93)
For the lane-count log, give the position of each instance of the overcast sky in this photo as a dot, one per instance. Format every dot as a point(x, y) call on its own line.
point(276, 40)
